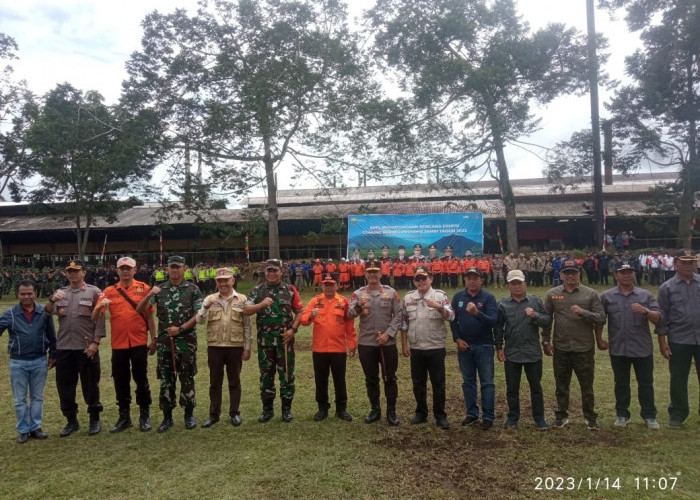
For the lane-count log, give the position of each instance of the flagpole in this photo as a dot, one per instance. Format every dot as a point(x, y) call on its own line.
point(161, 249)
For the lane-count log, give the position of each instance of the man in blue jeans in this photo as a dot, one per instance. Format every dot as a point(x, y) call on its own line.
point(475, 311)
point(32, 335)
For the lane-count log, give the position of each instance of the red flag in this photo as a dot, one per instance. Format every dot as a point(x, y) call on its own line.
point(247, 248)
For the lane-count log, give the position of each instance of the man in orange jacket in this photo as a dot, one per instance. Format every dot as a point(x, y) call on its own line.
point(334, 338)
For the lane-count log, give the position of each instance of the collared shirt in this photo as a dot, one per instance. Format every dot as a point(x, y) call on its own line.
point(628, 332)
point(128, 328)
point(474, 329)
point(30, 338)
point(424, 325)
point(226, 324)
point(572, 332)
point(76, 330)
point(520, 332)
point(680, 310)
point(333, 330)
point(382, 314)
point(176, 304)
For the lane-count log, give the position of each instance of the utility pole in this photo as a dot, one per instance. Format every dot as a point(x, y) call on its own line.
point(595, 127)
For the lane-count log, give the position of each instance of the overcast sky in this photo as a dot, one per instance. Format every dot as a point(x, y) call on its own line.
point(87, 42)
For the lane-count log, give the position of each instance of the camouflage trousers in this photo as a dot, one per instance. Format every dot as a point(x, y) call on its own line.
point(186, 364)
point(271, 359)
point(498, 278)
point(583, 365)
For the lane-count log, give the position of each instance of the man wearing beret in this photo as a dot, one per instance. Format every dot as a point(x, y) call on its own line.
point(77, 347)
point(679, 332)
point(177, 302)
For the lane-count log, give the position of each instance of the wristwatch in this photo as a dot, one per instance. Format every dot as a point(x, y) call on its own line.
point(180, 330)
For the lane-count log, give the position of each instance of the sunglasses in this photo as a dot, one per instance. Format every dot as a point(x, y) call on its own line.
point(420, 278)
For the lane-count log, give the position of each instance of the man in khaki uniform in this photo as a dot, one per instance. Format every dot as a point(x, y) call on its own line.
point(229, 338)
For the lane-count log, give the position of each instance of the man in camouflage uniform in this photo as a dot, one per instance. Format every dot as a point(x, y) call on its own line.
point(277, 305)
point(177, 302)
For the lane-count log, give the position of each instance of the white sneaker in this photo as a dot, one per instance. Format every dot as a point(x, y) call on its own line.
point(621, 422)
point(652, 424)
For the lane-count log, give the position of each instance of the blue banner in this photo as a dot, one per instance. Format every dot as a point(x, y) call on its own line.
point(462, 231)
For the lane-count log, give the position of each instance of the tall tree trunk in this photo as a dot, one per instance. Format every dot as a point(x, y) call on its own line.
point(272, 212)
point(691, 170)
point(504, 187)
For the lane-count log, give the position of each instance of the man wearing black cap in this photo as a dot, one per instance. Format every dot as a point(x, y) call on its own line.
point(77, 347)
point(476, 312)
point(177, 302)
point(679, 332)
point(277, 306)
point(575, 310)
point(423, 334)
point(629, 310)
point(379, 309)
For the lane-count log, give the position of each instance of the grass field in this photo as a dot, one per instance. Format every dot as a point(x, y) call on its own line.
point(335, 459)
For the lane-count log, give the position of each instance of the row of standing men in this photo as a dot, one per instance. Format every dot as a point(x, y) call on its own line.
point(478, 324)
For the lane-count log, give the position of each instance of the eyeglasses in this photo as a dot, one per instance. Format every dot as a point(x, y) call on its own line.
point(420, 277)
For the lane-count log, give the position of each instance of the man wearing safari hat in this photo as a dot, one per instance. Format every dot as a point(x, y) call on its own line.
point(679, 332)
point(130, 347)
point(229, 338)
point(77, 347)
point(574, 310)
point(277, 306)
point(177, 302)
point(334, 339)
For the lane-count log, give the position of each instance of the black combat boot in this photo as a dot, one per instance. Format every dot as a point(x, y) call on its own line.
point(287, 410)
point(95, 424)
point(145, 419)
point(167, 422)
point(267, 412)
point(123, 423)
point(342, 413)
point(71, 427)
point(391, 413)
point(190, 422)
point(374, 414)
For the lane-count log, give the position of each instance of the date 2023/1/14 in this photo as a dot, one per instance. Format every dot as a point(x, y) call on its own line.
point(661, 483)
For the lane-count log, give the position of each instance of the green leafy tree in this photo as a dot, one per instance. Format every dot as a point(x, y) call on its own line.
point(657, 114)
point(17, 106)
point(90, 158)
point(252, 84)
point(474, 69)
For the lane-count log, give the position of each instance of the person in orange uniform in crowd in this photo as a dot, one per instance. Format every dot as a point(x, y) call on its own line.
point(453, 269)
point(358, 274)
point(345, 273)
point(385, 264)
point(318, 273)
point(399, 267)
point(331, 269)
point(467, 262)
point(485, 266)
point(334, 339)
point(409, 271)
point(434, 265)
point(129, 338)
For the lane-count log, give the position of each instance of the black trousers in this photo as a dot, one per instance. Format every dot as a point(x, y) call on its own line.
point(232, 359)
point(371, 361)
point(533, 372)
point(424, 363)
point(127, 363)
point(71, 365)
point(333, 363)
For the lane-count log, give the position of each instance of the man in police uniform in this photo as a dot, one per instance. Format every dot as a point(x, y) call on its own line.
point(77, 347)
point(177, 302)
point(129, 338)
point(379, 309)
point(277, 306)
